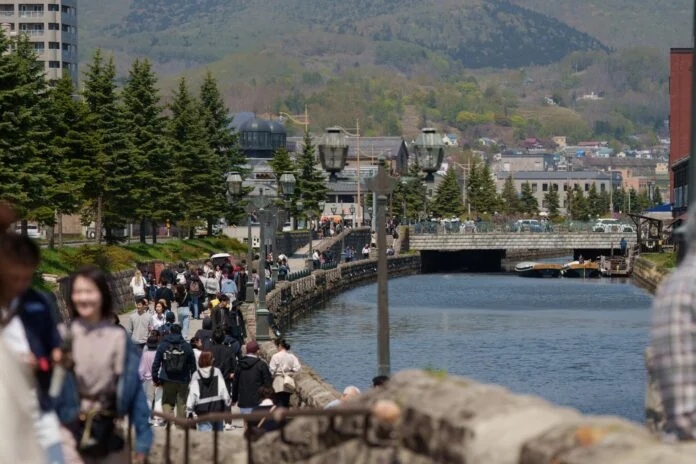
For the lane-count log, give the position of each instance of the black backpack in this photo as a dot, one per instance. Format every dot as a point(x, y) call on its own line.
point(174, 359)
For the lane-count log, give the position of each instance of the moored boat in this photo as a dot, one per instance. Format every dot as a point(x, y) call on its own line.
point(539, 270)
point(586, 269)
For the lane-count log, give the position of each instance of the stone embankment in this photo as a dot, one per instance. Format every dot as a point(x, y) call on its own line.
point(647, 274)
point(447, 419)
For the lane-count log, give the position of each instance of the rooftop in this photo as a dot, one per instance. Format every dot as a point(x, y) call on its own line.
point(554, 175)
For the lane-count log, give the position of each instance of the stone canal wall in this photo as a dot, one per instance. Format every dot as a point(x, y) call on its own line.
point(647, 274)
point(448, 419)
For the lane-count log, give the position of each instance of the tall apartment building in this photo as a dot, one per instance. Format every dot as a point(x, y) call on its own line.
point(52, 28)
point(679, 127)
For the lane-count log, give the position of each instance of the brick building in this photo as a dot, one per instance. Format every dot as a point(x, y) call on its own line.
point(679, 127)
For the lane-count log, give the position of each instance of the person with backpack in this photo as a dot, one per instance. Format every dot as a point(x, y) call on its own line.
point(172, 369)
point(181, 276)
point(196, 295)
point(225, 357)
point(207, 393)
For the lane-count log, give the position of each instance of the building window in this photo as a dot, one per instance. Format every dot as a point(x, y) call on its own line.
point(54, 64)
point(587, 187)
point(565, 187)
point(602, 187)
point(53, 46)
point(545, 187)
point(53, 8)
point(53, 27)
point(555, 187)
point(534, 188)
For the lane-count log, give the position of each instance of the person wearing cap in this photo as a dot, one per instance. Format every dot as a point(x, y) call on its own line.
point(251, 374)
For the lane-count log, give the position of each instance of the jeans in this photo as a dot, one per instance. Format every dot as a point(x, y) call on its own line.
point(246, 410)
point(193, 305)
point(209, 426)
point(184, 319)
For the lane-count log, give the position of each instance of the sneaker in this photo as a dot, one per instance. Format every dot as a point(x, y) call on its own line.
point(229, 427)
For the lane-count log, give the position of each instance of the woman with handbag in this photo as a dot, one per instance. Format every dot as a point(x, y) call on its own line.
point(284, 365)
point(102, 384)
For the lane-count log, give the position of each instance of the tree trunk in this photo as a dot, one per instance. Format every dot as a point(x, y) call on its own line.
point(23, 227)
point(210, 227)
point(51, 236)
point(143, 232)
point(154, 232)
point(98, 221)
point(60, 229)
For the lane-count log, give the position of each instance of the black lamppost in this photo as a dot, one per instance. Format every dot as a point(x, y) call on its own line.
point(333, 151)
point(267, 215)
point(382, 185)
point(430, 152)
point(352, 214)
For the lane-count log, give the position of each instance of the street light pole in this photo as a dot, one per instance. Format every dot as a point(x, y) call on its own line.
point(382, 185)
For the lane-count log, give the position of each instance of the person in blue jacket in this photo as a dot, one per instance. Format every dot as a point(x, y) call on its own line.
point(172, 369)
point(102, 383)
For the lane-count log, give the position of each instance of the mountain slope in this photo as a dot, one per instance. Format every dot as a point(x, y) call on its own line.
point(624, 23)
point(470, 33)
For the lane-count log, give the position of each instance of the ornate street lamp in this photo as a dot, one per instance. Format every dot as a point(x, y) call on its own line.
point(234, 183)
point(287, 184)
point(352, 214)
point(334, 208)
point(429, 152)
point(333, 151)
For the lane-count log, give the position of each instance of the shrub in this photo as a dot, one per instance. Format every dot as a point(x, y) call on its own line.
point(107, 258)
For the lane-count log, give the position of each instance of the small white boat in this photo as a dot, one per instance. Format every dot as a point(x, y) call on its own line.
point(538, 270)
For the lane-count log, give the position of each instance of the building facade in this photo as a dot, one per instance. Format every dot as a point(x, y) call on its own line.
point(679, 125)
point(542, 182)
point(51, 26)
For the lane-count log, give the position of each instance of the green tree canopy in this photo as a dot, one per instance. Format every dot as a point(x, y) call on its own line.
point(310, 180)
point(448, 198)
point(510, 199)
point(552, 201)
point(528, 201)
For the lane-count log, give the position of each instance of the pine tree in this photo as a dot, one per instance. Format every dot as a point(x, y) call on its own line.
point(552, 201)
point(579, 207)
point(23, 129)
point(225, 145)
point(489, 200)
point(473, 186)
point(109, 178)
point(151, 153)
point(594, 202)
point(311, 187)
point(510, 198)
point(657, 196)
point(69, 147)
point(528, 200)
point(192, 156)
point(448, 198)
point(281, 162)
point(409, 194)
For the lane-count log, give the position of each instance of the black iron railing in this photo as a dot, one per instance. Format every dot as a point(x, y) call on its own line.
point(280, 416)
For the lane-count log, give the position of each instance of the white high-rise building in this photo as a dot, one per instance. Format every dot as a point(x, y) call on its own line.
point(52, 28)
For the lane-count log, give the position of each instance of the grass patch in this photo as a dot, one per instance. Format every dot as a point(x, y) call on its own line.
point(112, 258)
point(663, 260)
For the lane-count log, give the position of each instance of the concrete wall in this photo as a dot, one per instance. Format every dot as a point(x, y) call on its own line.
point(647, 275)
point(447, 419)
point(289, 242)
point(518, 241)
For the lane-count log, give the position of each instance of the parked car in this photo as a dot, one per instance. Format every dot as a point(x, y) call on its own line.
point(527, 225)
point(611, 225)
point(33, 230)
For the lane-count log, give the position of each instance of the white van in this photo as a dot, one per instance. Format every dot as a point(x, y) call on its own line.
point(33, 230)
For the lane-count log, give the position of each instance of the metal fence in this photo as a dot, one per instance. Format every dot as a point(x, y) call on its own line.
point(483, 227)
point(280, 416)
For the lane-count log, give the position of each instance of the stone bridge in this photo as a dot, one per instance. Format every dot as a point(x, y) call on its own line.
point(484, 251)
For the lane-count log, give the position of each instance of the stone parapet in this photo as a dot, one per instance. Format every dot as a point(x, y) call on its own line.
point(517, 241)
point(447, 419)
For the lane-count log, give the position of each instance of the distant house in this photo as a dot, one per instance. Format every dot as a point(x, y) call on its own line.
point(450, 140)
point(590, 144)
point(561, 141)
point(532, 143)
point(590, 97)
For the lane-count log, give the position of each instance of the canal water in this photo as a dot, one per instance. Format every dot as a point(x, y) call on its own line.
point(573, 342)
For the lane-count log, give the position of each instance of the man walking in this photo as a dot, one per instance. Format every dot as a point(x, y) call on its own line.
point(172, 369)
point(252, 373)
point(138, 327)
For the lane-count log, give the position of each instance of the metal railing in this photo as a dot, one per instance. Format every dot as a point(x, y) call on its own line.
point(427, 228)
point(280, 416)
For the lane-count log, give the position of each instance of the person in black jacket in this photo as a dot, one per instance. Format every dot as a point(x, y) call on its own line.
point(205, 333)
point(172, 369)
point(224, 357)
point(251, 374)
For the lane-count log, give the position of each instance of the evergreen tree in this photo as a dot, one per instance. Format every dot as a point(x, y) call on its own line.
point(448, 197)
point(23, 129)
point(579, 206)
point(488, 197)
point(151, 153)
point(409, 194)
point(225, 145)
point(594, 202)
point(552, 201)
point(473, 187)
point(69, 147)
point(108, 179)
point(619, 199)
point(192, 157)
point(311, 187)
point(528, 201)
point(632, 202)
point(657, 196)
point(643, 201)
point(281, 162)
point(605, 200)
point(510, 198)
